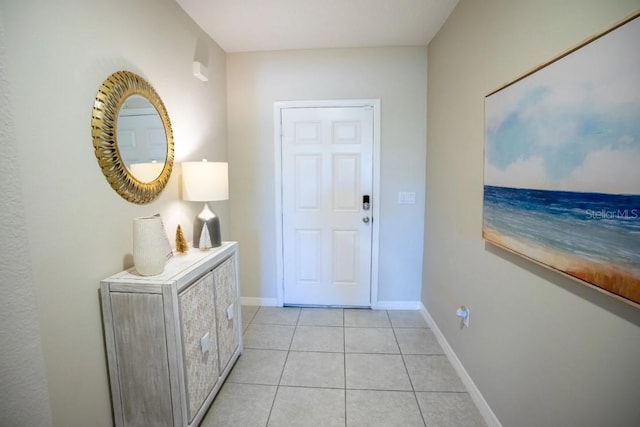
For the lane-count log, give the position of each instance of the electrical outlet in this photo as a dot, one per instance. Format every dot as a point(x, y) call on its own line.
point(463, 313)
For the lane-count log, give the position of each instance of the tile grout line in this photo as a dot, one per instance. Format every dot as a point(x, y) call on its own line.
point(404, 363)
point(345, 387)
point(275, 395)
point(295, 327)
point(344, 367)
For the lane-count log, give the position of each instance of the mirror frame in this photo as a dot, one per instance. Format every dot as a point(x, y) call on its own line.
point(106, 107)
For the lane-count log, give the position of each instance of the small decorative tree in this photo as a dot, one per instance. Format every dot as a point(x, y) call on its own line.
point(181, 243)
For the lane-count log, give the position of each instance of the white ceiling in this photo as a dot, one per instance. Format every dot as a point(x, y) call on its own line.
point(256, 25)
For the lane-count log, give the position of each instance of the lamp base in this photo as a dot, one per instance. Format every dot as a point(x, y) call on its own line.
point(206, 230)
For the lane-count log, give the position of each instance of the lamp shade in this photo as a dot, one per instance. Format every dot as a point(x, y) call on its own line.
point(205, 181)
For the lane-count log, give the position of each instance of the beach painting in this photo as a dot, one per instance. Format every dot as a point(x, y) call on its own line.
point(562, 163)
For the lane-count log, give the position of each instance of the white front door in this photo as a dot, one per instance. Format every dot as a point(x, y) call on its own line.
point(327, 175)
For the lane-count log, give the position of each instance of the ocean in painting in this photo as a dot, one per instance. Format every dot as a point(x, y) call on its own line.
point(594, 227)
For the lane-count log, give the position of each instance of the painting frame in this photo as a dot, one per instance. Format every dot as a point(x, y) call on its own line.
point(559, 183)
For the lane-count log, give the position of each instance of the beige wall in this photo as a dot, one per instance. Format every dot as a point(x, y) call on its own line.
point(544, 350)
point(24, 399)
point(75, 230)
point(396, 77)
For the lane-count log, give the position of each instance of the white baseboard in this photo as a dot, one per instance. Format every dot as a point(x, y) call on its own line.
point(265, 302)
point(488, 415)
point(397, 305)
point(380, 305)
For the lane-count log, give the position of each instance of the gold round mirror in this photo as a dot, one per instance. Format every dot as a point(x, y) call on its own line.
point(132, 137)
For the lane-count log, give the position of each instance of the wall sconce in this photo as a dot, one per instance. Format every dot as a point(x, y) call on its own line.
point(205, 182)
point(200, 71)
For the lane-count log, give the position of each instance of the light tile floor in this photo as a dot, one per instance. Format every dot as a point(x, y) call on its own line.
point(341, 367)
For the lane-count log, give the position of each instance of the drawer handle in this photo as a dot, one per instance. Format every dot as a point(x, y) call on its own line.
point(204, 343)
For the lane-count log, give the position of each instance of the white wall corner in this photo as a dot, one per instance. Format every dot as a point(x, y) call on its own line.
point(484, 408)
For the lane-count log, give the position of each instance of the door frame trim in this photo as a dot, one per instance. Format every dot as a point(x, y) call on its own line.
point(277, 137)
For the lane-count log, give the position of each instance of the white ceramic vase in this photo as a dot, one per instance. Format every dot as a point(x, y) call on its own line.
point(149, 245)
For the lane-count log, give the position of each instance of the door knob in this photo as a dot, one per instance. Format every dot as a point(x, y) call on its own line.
point(365, 219)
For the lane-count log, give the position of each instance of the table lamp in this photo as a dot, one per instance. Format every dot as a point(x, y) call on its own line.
point(205, 182)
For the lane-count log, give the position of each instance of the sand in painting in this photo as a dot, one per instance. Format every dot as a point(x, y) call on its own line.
point(619, 279)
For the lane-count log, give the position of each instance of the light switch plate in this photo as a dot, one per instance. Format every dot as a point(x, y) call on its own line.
point(407, 198)
point(230, 312)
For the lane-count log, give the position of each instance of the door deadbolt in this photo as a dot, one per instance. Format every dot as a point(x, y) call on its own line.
point(365, 219)
point(365, 202)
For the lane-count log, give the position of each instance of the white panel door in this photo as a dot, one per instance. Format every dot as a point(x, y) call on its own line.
point(327, 169)
point(141, 138)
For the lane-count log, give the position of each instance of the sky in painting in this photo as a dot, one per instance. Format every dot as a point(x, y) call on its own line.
point(574, 125)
